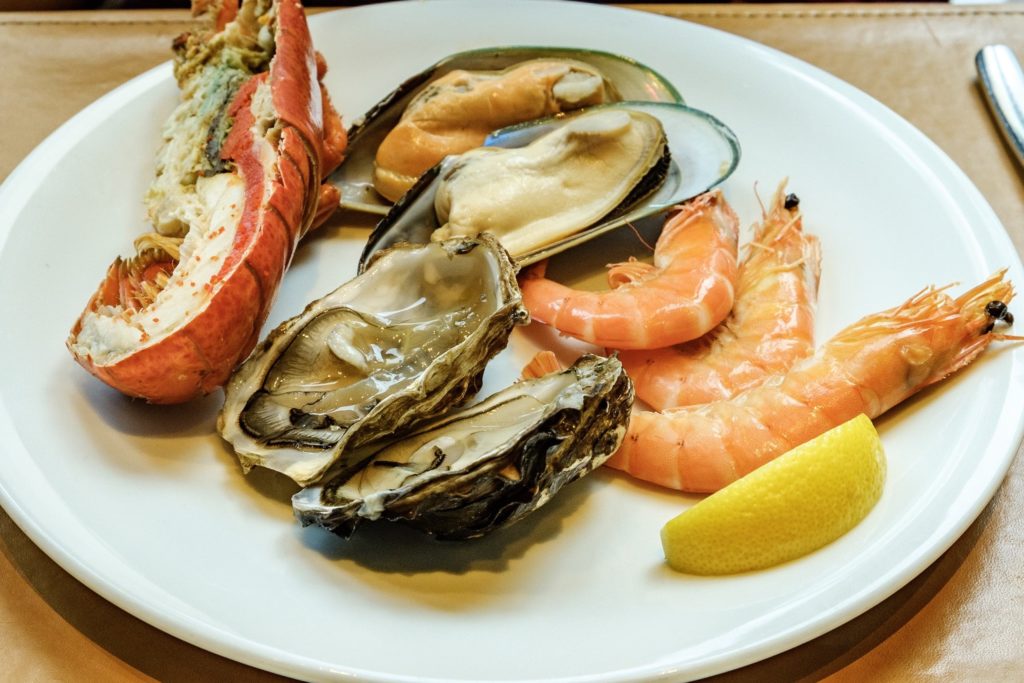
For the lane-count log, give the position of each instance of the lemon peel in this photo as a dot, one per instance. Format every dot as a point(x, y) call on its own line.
point(789, 507)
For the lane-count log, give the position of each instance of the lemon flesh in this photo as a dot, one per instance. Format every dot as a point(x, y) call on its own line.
point(789, 507)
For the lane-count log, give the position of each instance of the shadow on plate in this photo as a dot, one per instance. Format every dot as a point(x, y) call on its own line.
point(339, 225)
point(267, 483)
point(390, 547)
point(138, 418)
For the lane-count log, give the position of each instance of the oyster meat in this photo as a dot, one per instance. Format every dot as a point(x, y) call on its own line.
point(450, 107)
point(548, 185)
point(485, 466)
point(398, 344)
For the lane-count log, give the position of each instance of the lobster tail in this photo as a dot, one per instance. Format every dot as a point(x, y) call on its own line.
point(238, 184)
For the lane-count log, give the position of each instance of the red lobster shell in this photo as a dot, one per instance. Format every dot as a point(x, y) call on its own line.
point(282, 194)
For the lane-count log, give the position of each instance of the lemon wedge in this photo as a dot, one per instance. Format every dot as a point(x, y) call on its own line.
point(789, 507)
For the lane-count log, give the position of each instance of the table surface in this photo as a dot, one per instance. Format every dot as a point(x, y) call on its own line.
point(961, 618)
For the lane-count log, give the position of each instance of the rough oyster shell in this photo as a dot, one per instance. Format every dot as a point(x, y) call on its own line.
point(627, 79)
point(704, 152)
point(398, 344)
point(470, 472)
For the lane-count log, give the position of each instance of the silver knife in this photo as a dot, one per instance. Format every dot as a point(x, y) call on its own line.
point(1002, 82)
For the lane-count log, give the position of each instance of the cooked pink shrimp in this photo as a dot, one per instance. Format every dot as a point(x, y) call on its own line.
point(687, 291)
point(771, 325)
point(867, 368)
point(543, 363)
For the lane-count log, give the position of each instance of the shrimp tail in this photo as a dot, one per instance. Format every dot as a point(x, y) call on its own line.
point(537, 271)
point(544, 363)
point(629, 272)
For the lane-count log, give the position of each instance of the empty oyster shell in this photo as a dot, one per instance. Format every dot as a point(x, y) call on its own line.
point(396, 345)
point(485, 466)
point(530, 82)
point(540, 189)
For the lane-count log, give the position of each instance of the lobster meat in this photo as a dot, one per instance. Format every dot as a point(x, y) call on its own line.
point(238, 183)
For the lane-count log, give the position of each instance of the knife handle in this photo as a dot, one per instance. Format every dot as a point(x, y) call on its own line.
point(1002, 82)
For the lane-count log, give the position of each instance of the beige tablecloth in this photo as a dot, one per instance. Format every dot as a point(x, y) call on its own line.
point(960, 619)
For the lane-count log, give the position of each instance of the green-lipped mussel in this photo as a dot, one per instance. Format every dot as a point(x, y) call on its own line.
point(453, 105)
point(545, 186)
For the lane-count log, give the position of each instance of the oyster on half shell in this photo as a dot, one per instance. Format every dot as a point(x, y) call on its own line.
point(546, 186)
point(400, 343)
point(567, 78)
point(485, 466)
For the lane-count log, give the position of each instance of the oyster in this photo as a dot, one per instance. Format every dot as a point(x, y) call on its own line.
point(548, 185)
point(392, 347)
point(485, 466)
point(452, 106)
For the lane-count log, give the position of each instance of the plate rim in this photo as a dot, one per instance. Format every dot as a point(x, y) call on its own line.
point(1002, 449)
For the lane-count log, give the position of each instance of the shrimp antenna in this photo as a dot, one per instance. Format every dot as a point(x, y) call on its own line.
point(640, 237)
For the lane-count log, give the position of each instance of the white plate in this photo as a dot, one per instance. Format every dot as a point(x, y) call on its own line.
point(146, 506)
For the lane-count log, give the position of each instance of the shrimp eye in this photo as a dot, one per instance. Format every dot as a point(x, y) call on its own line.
point(792, 201)
point(998, 310)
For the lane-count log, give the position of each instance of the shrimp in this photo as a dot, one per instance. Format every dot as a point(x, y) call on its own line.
point(867, 368)
point(771, 325)
point(543, 363)
point(687, 291)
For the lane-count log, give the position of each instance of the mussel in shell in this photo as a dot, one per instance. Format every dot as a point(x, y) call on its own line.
point(400, 343)
point(532, 196)
point(483, 467)
point(457, 112)
point(548, 185)
point(453, 105)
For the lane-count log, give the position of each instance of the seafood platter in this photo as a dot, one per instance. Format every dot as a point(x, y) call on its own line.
point(436, 343)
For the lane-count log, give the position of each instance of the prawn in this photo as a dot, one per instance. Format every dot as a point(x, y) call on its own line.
point(771, 325)
point(542, 363)
point(686, 292)
point(868, 368)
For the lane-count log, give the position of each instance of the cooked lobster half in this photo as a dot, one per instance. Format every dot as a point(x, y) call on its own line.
point(238, 183)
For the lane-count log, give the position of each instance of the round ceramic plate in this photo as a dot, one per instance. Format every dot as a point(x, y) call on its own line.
point(146, 506)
